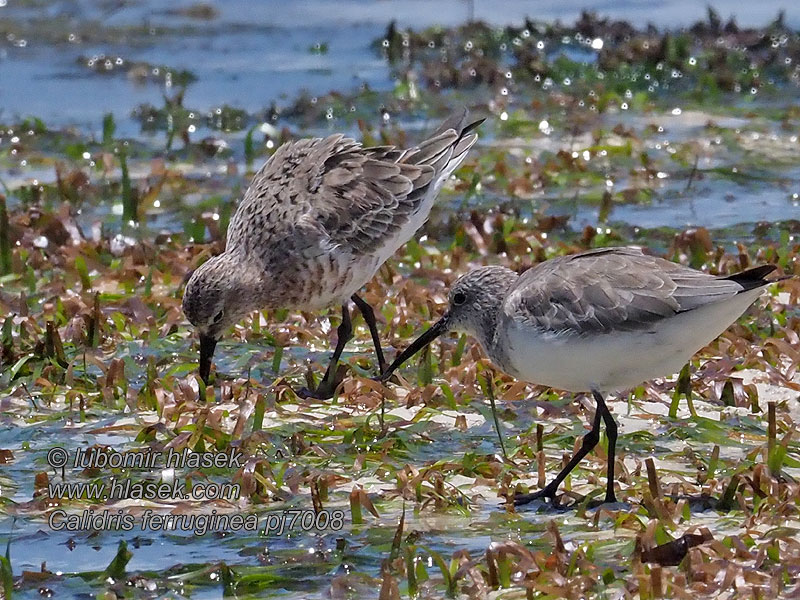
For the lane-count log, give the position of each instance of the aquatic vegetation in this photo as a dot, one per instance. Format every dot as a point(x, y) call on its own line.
point(95, 330)
point(140, 73)
point(601, 61)
point(99, 231)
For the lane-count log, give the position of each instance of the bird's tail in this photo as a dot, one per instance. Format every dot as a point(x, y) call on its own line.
point(751, 279)
point(447, 148)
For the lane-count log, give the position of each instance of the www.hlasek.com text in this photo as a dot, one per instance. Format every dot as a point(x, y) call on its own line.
point(274, 523)
point(119, 489)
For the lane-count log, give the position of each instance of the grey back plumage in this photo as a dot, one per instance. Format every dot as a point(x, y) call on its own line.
point(615, 289)
point(334, 192)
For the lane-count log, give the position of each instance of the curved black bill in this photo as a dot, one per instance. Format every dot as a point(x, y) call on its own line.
point(426, 338)
point(207, 345)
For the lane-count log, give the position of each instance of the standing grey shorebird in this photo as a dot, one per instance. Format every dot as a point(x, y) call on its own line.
point(318, 220)
point(597, 321)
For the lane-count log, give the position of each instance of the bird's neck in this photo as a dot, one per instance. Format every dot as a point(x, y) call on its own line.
point(252, 288)
point(492, 309)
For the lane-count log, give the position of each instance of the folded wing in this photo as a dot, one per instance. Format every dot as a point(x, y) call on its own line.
point(617, 289)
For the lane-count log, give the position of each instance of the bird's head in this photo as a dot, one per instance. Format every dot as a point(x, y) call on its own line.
point(476, 298)
point(218, 294)
point(474, 303)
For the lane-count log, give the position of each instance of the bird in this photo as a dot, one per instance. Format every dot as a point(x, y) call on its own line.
point(315, 224)
point(596, 322)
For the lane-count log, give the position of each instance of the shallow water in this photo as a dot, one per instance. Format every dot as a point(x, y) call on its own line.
point(249, 56)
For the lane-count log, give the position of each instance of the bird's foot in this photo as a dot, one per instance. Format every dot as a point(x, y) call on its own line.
point(393, 379)
point(321, 393)
point(549, 500)
point(544, 493)
point(610, 502)
point(326, 388)
point(324, 391)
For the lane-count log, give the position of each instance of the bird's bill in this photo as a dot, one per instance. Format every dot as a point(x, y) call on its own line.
point(207, 345)
point(441, 326)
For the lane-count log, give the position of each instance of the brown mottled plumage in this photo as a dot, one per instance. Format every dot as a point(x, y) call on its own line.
point(318, 220)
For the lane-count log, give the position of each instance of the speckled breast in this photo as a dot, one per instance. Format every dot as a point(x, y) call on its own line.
point(321, 281)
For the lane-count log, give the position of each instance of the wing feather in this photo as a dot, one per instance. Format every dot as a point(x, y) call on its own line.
point(612, 289)
point(332, 191)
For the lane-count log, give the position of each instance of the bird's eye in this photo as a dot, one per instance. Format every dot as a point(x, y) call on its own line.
point(459, 298)
point(218, 316)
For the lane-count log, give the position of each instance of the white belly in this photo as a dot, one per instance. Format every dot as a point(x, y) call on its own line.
point(612, 361)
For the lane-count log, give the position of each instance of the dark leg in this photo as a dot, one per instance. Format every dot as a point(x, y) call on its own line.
point(589, 442)
point(327, 386)
point(369, 317)
point(611, 434)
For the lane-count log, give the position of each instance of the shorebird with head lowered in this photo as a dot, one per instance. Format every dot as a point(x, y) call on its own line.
point(598, 321)
point(318, 220)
